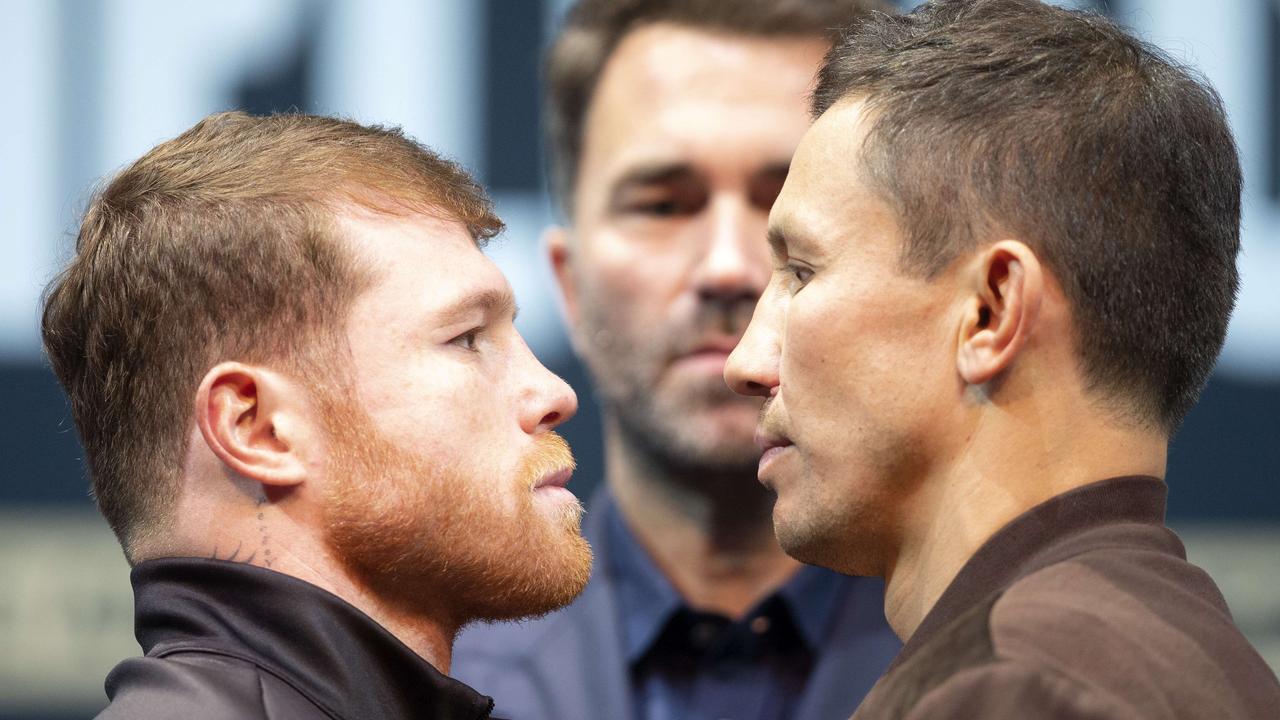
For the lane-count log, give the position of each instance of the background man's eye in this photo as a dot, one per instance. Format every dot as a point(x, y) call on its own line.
point(802, 274)
point(664, 208)
point(667, 202)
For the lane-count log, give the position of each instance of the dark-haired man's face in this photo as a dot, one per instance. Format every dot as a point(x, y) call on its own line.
point(855, 356)
point(686, 144)
point(445, 480)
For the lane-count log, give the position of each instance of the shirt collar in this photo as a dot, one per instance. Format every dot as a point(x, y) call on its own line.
point(1034, 540)
point(647, 600)
point(812, 595)
point(332, 653)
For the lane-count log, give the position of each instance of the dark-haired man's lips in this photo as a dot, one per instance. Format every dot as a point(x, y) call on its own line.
point(771, 446)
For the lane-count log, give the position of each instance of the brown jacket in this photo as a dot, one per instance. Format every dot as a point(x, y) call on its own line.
point(1083, 607)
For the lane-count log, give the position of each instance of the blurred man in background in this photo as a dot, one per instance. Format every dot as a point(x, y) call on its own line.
point(310, 422)
point(672, 124)
point(1004, 262)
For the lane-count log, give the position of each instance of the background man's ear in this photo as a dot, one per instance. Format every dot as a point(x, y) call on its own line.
point(251, 418)
point(556, 241)
point(1006, 282)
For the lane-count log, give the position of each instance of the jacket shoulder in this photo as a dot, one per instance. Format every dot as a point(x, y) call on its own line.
point(1005, 689)
point(201, 686)
point(961, 671)
point(1147, 627)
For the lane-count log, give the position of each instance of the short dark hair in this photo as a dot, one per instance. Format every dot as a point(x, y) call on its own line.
point(593, 28)
point(219, 245)
point(1114, 162)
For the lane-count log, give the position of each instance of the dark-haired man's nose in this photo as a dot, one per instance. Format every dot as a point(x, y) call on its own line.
point(752, 367)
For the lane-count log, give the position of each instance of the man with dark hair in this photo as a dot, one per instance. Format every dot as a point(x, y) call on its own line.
point(671, 127)
point(1004, 262)
point(310, 421)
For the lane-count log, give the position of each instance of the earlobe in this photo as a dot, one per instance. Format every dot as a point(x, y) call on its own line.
point(556, 241)
point(1007, 286)
point(243, 414)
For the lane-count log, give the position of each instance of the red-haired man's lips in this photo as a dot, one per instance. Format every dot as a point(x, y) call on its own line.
point(556, 479)
point(551, 486)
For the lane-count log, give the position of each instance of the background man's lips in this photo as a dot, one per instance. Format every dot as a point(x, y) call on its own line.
point(724, 348)
point(559, 478)
point(710, 346)
point(713, 357)
point(707, 360)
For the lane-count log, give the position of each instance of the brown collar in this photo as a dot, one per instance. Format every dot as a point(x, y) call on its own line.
point(1042, 536)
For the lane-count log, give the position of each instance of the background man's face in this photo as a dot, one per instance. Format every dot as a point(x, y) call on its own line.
point(686, 145)
point(441, 445)
point(860, 356)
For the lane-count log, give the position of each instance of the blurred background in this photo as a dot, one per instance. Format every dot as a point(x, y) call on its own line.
point(90, 85)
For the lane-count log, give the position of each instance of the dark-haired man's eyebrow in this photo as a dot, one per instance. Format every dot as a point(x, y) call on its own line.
point(786, 241)
point(777, 241)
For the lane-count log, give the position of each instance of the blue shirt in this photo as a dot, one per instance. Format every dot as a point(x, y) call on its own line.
point(691, 665)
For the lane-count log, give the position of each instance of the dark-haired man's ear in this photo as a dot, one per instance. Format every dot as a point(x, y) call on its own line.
point(1007, 285)
point(556, 240)
point(249, 417)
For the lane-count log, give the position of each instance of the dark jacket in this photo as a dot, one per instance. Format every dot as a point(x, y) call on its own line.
point(234, 641)
point(1084, 607)
point(571, 664)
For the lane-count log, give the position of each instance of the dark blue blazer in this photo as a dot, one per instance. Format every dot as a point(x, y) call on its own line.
point(570, 665)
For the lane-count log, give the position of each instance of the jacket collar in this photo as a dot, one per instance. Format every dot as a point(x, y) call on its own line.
point(1048, 533)
point(332, 653)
